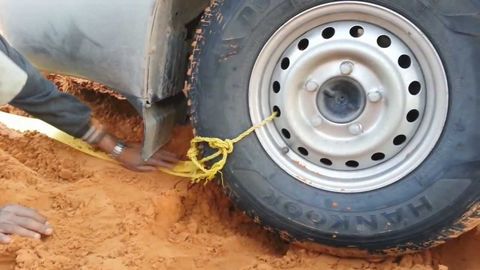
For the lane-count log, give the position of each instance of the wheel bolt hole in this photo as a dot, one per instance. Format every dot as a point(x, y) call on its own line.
point(352, 164)
point(303, 151)
point(303, 44)
point(276, 87)
point(384, 41)
point(357, 31)
point(414, 88)
point(413, 115)
point(286, 133)
point(328, 33)
point(404, 61)
point(326, 162)
point(285, 63)
point(277, 110)
point(378, 156)
point(399, 140)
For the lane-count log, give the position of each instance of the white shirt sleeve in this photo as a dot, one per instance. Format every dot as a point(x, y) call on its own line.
point(12, 79)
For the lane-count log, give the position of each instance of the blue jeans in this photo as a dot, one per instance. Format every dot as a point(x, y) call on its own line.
point(41, 99)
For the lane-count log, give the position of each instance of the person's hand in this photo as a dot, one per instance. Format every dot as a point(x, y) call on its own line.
point(131, 158)
point(22, 221)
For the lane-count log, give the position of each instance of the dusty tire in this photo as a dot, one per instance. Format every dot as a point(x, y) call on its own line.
point(435, 202)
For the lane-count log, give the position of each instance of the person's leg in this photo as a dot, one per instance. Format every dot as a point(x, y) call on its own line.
point(41, 98)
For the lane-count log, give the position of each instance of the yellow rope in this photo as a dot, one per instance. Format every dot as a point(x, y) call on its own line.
point(197, 168)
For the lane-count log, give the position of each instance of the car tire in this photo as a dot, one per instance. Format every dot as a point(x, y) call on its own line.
point(436, 201)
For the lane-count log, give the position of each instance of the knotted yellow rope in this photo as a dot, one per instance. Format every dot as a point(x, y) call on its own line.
point(197, 168)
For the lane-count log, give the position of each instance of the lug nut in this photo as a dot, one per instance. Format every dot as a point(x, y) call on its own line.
point(311, 86)
point(317, 121)
point(375, 96)
point(356, 129)
point(346, 68)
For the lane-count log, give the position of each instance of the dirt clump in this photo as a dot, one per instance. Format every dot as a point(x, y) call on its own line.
point(106, 217)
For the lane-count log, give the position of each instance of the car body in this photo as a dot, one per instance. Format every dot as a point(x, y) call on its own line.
point(139, 48)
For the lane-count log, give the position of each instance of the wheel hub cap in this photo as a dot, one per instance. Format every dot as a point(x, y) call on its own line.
point(341, 100)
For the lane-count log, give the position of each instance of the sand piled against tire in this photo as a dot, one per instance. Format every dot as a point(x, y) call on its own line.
point(106, 217)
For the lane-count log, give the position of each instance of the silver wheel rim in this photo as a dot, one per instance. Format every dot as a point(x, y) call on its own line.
point(362, 96)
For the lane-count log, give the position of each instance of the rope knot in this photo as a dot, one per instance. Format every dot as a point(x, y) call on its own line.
point(206, 168)
point(223, 146)
point(229, 145)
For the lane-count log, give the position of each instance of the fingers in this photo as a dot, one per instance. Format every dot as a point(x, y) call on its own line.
point(170, 159)
point(22, 221)
point(26, 233)
point(16, 229)
point(33, 225)
point(131, 158)
point(167, 156)
point(146, 169)
point(26, 212)
point(5, 239)
point(163, 159)
point(151, 166)
point(160, 163)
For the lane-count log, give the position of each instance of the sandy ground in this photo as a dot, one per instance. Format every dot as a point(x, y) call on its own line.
point(106, 217)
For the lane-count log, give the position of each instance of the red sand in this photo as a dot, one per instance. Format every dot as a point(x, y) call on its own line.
point(106, 217)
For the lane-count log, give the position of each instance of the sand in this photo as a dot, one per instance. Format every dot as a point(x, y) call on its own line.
point(106, 217)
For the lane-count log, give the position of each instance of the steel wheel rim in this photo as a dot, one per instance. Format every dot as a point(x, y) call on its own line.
point(356, 153)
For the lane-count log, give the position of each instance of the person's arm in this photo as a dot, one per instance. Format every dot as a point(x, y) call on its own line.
point(41, 98)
